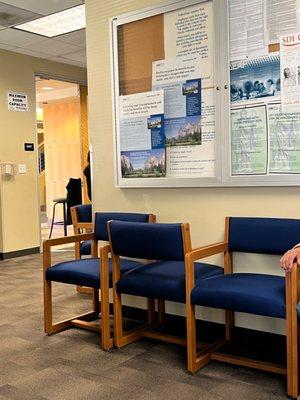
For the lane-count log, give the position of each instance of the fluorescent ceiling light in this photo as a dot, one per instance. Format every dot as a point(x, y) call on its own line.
point(47, 88)
point(56, 24)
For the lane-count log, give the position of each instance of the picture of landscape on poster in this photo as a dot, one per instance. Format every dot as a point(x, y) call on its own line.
point(143, 164)
point(183, 131)
point(255, 79)
point(142, 135)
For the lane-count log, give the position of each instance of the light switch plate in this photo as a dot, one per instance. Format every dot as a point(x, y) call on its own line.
point(22, 169)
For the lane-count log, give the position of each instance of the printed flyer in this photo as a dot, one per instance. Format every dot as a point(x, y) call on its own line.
point(255, 80)
point(189, 117)
point(284, 138)
point(290, 72)
point(246, 29)
point(249, 148)
point(189, 31)
point(196, 161)
point(142, 137)
point(180, 80)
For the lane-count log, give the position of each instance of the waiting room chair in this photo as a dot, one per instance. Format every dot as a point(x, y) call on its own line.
point(82, 223)
point(161, 280)
point(253, 293)
point(95, 273)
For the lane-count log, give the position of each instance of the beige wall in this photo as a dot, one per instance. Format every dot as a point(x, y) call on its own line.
point(42, 183)
point(19, 196)
point(204, 208)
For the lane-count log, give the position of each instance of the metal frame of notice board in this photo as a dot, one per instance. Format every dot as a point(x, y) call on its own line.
point(222, 141)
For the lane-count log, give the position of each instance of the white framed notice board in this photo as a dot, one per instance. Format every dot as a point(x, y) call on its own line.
point(201, 99)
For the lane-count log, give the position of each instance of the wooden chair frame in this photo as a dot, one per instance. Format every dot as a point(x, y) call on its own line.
point(155, 319)
point(292, 287)
point(79, 228)
point(84, 320)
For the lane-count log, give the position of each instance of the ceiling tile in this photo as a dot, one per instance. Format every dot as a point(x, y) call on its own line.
point(43, 7)
point(79, 56)
point(5, 47)
point(67, 61)
point(10, 15)
point(77, 38)
point(29, 52)
point(51, 47)
point(13, 37)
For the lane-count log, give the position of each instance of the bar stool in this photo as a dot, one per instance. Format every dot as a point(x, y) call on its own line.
point(62, 201)
point(73, 198)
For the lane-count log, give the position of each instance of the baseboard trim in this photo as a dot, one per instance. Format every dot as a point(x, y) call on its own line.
point(19, 253)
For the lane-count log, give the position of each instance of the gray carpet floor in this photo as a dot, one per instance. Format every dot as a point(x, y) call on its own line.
point(71, 365)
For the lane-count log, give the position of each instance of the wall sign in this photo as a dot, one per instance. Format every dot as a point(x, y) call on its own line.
point(17, 101)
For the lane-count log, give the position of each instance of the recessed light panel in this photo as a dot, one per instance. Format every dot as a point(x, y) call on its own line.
point(56, 24)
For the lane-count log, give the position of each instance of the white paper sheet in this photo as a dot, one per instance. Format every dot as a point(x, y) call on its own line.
point(290, 72)
point(246, 28)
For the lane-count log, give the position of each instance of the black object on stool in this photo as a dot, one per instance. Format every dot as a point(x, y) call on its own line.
point(74, 198)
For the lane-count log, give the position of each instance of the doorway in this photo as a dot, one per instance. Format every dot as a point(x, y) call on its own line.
point(63, 145)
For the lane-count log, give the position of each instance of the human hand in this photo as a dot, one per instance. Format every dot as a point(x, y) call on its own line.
point(288, 259)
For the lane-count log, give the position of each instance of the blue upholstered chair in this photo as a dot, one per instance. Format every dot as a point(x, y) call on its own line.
point(94, 273)
point(259, 294)
point(82, 220)
point(82, 223)
point(161, 277)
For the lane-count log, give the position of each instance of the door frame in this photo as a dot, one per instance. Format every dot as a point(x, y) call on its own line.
point(62, 78)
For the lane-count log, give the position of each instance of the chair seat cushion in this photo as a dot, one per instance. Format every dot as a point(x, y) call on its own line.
point(86, 248)
point(163, 279)
point(84, 272)
point(258, 294)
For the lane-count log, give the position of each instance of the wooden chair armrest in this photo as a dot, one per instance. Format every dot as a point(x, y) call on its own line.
point(292, 285)
point(47, 244)
point(67, 239)
point(104, 250)
point(206, 251)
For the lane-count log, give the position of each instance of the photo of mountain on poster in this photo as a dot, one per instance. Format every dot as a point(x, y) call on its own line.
point(143, 164)
point(183, 131)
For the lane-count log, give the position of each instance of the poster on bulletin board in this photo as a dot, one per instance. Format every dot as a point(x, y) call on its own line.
point(228, 94)
point(174, 139)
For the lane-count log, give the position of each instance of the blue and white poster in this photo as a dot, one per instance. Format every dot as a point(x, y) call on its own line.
point(189, 117)
point(142, 135)
point(181, 82)
point(255, 80)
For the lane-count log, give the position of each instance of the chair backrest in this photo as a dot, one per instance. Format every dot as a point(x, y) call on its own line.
point(101, 219)
point(84, 213)
point(147, 241)
point(82, 218)
point(74, 196)
point(263, 235)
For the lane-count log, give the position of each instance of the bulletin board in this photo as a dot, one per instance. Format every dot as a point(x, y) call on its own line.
point(197, 97)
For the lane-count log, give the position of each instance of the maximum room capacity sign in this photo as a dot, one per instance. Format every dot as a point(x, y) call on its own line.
point(17, 101)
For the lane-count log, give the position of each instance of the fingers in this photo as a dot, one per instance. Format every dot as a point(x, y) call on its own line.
point(287, 260)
